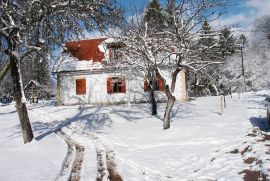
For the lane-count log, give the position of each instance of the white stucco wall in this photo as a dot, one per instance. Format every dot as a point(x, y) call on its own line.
point(96, 90)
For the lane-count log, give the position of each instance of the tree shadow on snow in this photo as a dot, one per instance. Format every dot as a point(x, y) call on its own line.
point(89, 121)
point(133, 113)
point(260, 122)
point(5, 113)
point(143, 110)
point(183, 111)
point(14, 132)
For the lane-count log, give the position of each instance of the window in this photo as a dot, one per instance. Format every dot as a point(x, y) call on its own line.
point(116, 85)
point(159, 85)
point(114, 50)
point(80, 86)
point(115, 54)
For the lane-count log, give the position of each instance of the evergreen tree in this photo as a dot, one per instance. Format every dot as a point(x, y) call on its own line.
point(227, 43)
point(169, 10)
point(242, 41)
point(205, 80)
point(153, 15)
point(206, 42)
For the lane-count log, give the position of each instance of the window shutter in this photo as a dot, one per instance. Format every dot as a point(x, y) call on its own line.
point(161, 85)
point(110, 53)
point(123, 85)
point(146, 86)
point(80, 86)
point(109, 85)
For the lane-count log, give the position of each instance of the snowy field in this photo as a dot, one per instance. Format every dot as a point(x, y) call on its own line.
point(202, 144)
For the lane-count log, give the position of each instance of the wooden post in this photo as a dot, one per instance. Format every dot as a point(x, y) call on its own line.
point(238, 95)
point(222, 104)
point(58, 90)
point(268, 114)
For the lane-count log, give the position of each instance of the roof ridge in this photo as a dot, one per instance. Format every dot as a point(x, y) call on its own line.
point(76, 41)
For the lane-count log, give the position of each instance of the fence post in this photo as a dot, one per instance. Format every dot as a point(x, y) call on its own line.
point(222, 103)
point(238, 96)
point(268, 114)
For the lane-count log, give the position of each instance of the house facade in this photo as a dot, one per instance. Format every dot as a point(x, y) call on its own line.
point(85, 77)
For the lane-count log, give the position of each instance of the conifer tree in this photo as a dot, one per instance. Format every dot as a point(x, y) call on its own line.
point(169, 11)
point(205, 80)
point(227, 42)
point(153, 15)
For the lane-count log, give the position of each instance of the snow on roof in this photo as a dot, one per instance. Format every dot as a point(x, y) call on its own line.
point(34, 82)
point(69, 63)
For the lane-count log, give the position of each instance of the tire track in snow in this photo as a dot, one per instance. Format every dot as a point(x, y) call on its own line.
point(72, 164)
point(77, 162)
point(65, 170)
point(74, 173)
point(106, 161)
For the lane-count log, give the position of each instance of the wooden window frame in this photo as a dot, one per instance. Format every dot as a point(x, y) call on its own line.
point(115, 54)
point(80, 86)
point(160, 85)
point(116, 85)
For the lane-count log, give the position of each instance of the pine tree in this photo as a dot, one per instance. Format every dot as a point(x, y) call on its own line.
point(206, 41)
point(205, 80)
point(242, 40)
point(153, 15)
point(227, 42)
point(169, 10)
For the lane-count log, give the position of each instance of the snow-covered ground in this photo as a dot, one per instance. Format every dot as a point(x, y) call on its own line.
point(202, 143)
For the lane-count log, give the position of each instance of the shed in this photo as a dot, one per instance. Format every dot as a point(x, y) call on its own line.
point(32, 91)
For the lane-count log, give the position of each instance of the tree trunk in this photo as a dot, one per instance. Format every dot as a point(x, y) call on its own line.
point(20, 106)
point(170, 103)
point(4, 70)
point(174, 76)
point(153, 102)
point(195, 86)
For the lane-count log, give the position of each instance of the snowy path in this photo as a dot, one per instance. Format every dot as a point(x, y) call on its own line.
point(71, 167)
point(71, 171)
point(106, 161)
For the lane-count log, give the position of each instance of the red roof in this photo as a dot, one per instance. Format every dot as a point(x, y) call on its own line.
point(86, 49)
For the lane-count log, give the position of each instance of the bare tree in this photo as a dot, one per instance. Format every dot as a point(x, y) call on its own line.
point(171, 48)
point(240, 71)
point(184, 23)
point(144, 53)
point(261, 29)
point(39, 25)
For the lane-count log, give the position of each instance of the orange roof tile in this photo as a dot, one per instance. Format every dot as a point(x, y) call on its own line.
point(86, 49)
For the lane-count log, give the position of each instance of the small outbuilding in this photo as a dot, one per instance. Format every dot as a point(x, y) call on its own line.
point(33, 91)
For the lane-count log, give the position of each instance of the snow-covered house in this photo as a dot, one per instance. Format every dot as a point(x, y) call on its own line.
point(86, 75)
